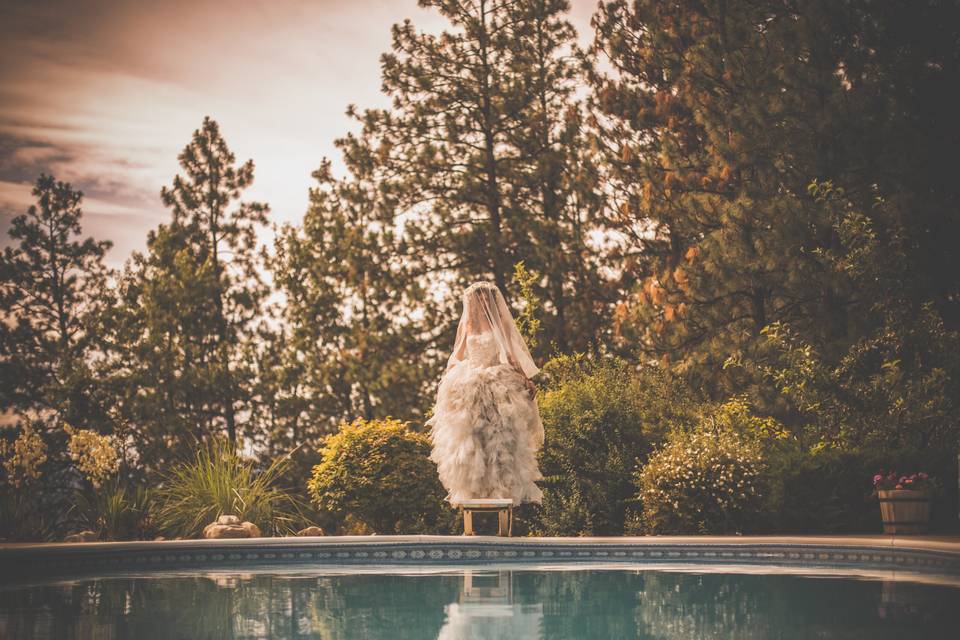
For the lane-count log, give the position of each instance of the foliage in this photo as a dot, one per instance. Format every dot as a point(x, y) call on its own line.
point(115, 511)
point(50, 285)
point(94, 455)
point(349, 303)
point(706, 479)
point(24, 518)
point(22, 460)
point(380, 472)
point(894, 386)
point(651, 198)
point(221, 482)
point(600, 417)
point(483, 151)
point(187, 309)
point(829, 490)
point(527, 322)
point(920, 481)
point(712, 118)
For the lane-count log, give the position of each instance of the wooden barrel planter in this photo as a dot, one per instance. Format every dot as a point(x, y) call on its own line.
point(905, 511)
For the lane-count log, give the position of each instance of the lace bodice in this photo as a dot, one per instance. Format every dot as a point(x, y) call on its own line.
point(482, 350)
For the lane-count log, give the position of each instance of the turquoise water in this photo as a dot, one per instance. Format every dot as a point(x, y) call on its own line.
point(514, 603)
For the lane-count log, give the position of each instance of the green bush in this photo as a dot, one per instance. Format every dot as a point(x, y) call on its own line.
point(28, 517)
point(827, 490)
point(380, 474)
point(221, 482)
point(709, 479)
point(115, 512)
point(600, 418)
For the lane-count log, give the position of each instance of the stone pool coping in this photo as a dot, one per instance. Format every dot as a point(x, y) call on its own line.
point(918, 554)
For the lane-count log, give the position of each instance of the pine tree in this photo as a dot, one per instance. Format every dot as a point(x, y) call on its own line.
point(189, 307)
point(484, 152)
point(714, 119)
point(50, 286)
point(353, 311)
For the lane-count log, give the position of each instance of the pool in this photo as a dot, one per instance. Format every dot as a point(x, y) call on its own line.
point(505, 601)
point(484, 587)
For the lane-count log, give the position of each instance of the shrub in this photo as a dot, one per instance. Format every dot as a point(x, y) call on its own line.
point(599, 418)
point(220, 482)
point(379, 472)
point(708, 479)
point(829, 490)
point(115, 512)
point(24, 519)
point(94, 455)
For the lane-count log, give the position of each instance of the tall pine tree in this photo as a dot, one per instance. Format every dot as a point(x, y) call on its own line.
point(715, 116)
point(50, 290)
point(484, 150)
point(189, 307)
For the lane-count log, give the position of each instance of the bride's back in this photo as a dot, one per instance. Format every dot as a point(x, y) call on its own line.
point(482, 350)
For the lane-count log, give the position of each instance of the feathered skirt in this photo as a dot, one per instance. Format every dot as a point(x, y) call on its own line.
point(486, 432)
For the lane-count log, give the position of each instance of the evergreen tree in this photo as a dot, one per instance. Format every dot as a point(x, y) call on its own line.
point(483, 150)
point(714, 119)
point(50, 286)
point(188, 307)
point(354, 313)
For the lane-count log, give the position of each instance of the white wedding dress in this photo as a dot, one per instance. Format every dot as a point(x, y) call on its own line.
point(485, 428)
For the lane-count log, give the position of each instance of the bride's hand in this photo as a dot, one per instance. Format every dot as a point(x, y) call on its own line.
point(531, 388)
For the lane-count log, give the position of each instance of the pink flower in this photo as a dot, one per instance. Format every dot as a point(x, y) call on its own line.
point(877, 478)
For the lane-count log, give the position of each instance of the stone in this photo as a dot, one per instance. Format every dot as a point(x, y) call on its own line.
point(217, 530)
point(311, 531)
point(253, 531)
point(83, 536)
point(159, 539)
point(228, 520)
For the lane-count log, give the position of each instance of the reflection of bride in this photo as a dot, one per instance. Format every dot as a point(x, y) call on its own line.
point(489, 612)
point(485, 427)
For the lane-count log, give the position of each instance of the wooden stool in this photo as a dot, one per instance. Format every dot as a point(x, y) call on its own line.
point(503, 507)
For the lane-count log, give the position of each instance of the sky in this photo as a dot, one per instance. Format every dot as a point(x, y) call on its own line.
point(105, 93)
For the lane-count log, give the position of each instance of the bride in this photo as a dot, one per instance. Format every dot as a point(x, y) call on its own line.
point(485, 426)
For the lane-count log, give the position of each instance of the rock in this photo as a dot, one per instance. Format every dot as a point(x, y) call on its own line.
point(311, 531)
point(159, 539)
point(83, 536)
point(253, 531)
point(228, 520)
point(216, 530)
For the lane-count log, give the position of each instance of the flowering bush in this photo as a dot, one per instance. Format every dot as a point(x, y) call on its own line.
point(23, 458)
point(95, 455)
point(705, 480)
point(893, 480)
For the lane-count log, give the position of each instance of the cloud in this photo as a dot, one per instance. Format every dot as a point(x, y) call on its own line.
point(105, 94)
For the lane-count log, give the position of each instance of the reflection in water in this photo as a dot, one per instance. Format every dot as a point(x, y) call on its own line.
point(486, 609)
point(481, 603)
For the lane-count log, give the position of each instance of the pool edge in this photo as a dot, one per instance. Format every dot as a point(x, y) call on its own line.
point(923, 555)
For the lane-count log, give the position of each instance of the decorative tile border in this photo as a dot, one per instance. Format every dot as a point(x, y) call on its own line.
point(31, 561)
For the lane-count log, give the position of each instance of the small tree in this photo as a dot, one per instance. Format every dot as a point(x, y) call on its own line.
point(379, 472)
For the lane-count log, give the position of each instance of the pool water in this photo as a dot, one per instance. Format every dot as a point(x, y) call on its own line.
point(481, 603)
